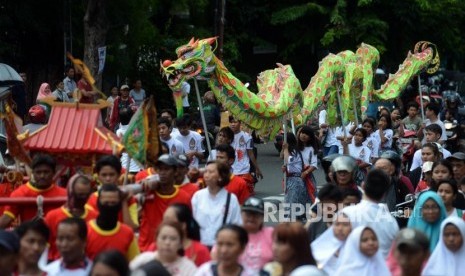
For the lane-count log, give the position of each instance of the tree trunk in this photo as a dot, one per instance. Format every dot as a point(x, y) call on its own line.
point(95, 32)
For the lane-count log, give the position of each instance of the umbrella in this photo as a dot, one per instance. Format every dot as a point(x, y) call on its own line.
point(8, 75)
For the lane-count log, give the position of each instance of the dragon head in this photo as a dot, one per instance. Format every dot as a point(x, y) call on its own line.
point(195, 59)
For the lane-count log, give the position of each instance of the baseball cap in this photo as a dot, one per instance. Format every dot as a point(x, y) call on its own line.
point(182, 160)
point(343, 163)
point(124, 86)
point(458, 155)
point(254, 204)
point(9, 240)
point(167, 160)
point(411, 238)
point(427, 166)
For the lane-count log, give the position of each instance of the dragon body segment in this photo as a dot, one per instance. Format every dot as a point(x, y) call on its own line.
point(280, 93)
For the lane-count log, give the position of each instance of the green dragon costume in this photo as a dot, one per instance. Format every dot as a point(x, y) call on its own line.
point(280, 93)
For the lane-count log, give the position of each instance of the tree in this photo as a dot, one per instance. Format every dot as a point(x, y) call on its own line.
point(95, 33)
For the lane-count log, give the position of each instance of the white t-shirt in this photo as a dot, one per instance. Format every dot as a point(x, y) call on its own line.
point(362, 153)
point(192, 142)
point(181, 267)
point(185, 89)
point(212, 155)
point(330, 134)
point(341, 132)
point(417, 162)
point(175, 146)
point(241, 143)
point(378, 217)
point(206, 270)
point(388, 133)
point(208, 210)
point(441, 124)
point(133, 166)
point(138, 96)
point(372, 143)
point(310, 158)
point(56, 268)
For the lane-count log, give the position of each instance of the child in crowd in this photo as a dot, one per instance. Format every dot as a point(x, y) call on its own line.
point(357, 150)
point(448, 191)
point(384, 133)
point(371, 142)
point(307, 144)
point(361, 255)
point(327, 248)
point(447, 258)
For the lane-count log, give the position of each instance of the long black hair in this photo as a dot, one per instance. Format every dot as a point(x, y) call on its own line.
point(292, 143)
point(113, 259)
point(184, 215)
point(313, 142)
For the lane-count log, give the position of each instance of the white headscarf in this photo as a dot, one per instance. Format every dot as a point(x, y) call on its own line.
point(324, 248)
point(353, 262)
point(443, 261)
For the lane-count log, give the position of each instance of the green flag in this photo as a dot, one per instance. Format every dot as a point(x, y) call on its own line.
point(135, 140)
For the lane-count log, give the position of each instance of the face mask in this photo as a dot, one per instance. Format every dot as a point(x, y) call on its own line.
point(77, 202)
point(108, 216)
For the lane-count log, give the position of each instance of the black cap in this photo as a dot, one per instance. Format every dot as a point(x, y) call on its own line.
point(167, 160)
point(411, 238)
point(9, 240)
point(254, 204)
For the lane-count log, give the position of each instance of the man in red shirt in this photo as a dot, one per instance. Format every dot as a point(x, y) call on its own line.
point(181, 179)
point(41, 183)
point(237, 185)
point(162, 194)
point(106, 232)
point(79, 189)
point(87, 91)
point(108, 169)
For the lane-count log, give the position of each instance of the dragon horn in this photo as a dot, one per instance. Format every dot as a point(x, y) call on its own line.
point(211, 40)
point(191, 42)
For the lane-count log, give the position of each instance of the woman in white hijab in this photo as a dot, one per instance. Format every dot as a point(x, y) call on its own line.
point(448, 257)
point(327, 248)
point(361, 255)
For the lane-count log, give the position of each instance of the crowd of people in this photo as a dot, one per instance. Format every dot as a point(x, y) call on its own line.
point(183, 218)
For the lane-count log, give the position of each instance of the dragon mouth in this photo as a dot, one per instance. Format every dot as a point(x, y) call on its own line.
point(176, 77)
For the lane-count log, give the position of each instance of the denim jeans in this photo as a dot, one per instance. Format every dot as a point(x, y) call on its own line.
point(330, 150)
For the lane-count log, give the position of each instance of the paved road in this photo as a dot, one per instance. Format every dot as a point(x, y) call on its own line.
point(270, 188)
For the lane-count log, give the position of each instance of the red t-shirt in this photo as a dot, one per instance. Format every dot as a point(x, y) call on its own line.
point(121, 239)
point(196, 252)
point(152, 213)
point(54, 217)
point(28, 212)
point(82, 85)
point(238, 186)
point(189, 188)
point(143, 174)
point(93, 199)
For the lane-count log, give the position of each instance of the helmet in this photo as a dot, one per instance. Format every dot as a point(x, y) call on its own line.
point(393, 157)
point(344, 163)
point(37, 114)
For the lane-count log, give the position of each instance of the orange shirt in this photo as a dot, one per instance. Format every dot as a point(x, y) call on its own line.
point(238, 186)
point(54, 217)
point(132, 205)
point(152, 213)
point(121, 239)
point(189, 188)
point(143, 174)
point(28, 212)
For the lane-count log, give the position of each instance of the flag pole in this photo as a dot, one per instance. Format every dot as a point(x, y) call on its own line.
point(126, 174)
point(202, 116)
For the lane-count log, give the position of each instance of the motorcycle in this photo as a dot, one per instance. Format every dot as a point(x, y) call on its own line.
point(407, 146)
